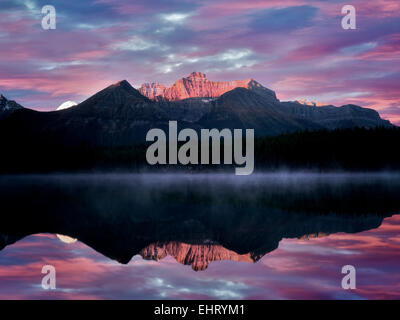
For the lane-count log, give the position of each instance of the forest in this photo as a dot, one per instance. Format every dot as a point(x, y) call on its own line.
point(356, 149)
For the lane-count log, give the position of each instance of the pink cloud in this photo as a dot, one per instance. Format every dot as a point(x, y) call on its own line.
point(305, 63)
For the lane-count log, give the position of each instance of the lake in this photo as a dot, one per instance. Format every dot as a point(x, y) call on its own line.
point(200, 236)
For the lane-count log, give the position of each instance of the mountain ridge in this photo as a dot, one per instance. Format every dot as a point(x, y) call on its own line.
point(120, 115)
point(8, 106)
point(199, 256)
point(196, 85)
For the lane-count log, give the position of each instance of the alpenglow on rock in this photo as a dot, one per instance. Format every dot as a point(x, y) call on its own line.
point(152, 90)
point(196, 85)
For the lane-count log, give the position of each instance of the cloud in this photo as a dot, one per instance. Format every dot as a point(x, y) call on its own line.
point(296, 47)
point(176, 17)
point(136, 43)
point(359, 48)
point(228, 60)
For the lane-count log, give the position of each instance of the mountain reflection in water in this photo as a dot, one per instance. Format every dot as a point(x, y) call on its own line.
point(197, 219)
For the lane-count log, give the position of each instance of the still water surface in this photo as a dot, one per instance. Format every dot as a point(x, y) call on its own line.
point(207, 236)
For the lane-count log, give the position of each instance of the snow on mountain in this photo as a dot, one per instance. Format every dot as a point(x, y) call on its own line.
point(66, 105)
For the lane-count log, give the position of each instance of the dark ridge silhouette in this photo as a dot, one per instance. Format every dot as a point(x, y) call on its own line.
point(121, 216)
point(120, 116)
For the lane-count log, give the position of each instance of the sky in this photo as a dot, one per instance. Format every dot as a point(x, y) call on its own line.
point(297, 48)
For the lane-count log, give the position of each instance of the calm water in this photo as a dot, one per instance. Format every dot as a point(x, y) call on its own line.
point(174, 236)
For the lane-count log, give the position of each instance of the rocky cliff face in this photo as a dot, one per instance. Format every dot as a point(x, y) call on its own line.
point(196, 85)
point(199, 256)
point(153, 90)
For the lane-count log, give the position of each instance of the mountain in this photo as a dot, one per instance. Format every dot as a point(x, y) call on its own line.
point(120, 94)
point(66, 105)
point(199, 256)
point(196, 85)
point(247, 104)
point(242, 108)
point(120, 115)
point(152, 90)
point(117, 115)
point(331, 117)
point(8, 106)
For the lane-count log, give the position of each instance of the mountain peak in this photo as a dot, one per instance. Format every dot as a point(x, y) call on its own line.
point(8, 105)
point(196, 85)
point(197, 75)
point(116, 95)
point(123, 83)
